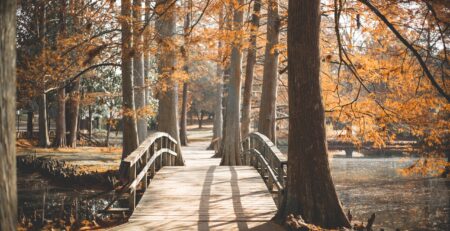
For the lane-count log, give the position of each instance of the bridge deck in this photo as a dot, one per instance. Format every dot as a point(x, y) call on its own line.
point(204, 196)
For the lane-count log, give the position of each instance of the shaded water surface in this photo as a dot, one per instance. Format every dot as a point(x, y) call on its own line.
point(38, 196)
point(372, 185)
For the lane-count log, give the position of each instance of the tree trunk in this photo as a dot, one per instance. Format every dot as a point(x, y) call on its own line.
point(251, 60)
point(218, 115)
point(130, 137)
point(231, 148)
point(310, 189)
point(30, 115)
point(183, 120)
point(108, 127)
point(60, 138)
point(147, 41)
point(90, 126)
point(44, 140)
point(200, 119)
point(185, 53)
point(138, 71)
point(8, 193)
point(267, 110)
point(74, 114)
point(168, 100)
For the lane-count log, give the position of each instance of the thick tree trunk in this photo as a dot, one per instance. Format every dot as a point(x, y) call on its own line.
point(8, 193)
point(231, 148)
point(310, 189)
point(267, 110)
point(130, 137)
point(60, 138)
point(168, 100)
point(249, 69)
point(30, 115)
point(74, 114)
point(138, 71)
point(44, 140)
point(183, 120)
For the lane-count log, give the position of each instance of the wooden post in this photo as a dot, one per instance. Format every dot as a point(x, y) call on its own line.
point(246, 151)
point(132, 176)
point(152, 168)
point(144, 162)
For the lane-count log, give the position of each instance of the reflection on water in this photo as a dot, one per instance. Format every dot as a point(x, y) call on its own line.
point(369, 186)
point(38, 196)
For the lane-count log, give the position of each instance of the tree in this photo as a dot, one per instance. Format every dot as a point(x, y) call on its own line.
point(231, 148)
point(310, 189)
point(249, 69)
point(185, 53)
point(218, 97)
point(130, 136)
point(138, 71)
point(268, 109)
point(8, 193)
point(60, 136)
point(168, 98)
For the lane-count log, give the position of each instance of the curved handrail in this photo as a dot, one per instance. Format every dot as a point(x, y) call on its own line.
point(158, 150)
point(260, 152)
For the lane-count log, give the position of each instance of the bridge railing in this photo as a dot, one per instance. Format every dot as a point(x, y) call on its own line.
point(158, 150)
point(260, 152)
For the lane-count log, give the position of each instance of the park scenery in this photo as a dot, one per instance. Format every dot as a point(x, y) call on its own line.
point(224, 115)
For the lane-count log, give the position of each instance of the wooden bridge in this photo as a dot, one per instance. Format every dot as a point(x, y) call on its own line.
point(203, 195)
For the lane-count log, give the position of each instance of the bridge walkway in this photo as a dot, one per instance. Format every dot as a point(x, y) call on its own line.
point(204, 196)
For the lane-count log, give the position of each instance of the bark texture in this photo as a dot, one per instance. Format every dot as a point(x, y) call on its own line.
point(231, 148)
point(44, 140)
point(183, 119)
point(74, 114)
point(130, 137)
point(138, 71)
point(147, 54)
point(30, 116)
point(218, 98)
point(267, 110)
point(168, 99)
point(60, 136)
point(249, 69)
point(8, 193)
point(185, 53)
point(310, 189)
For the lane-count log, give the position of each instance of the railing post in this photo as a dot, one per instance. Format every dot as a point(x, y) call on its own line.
point(174, 158)
point(162, 154)
point(152, 168)
point(167, 155)
point(144, 161)
point(131, 177)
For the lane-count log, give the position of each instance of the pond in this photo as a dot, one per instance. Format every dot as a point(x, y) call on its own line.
point(44, 202)
point(373, 185)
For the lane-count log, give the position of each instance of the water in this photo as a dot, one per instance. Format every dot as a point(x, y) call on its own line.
point(39, 196)
point(367, 186)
